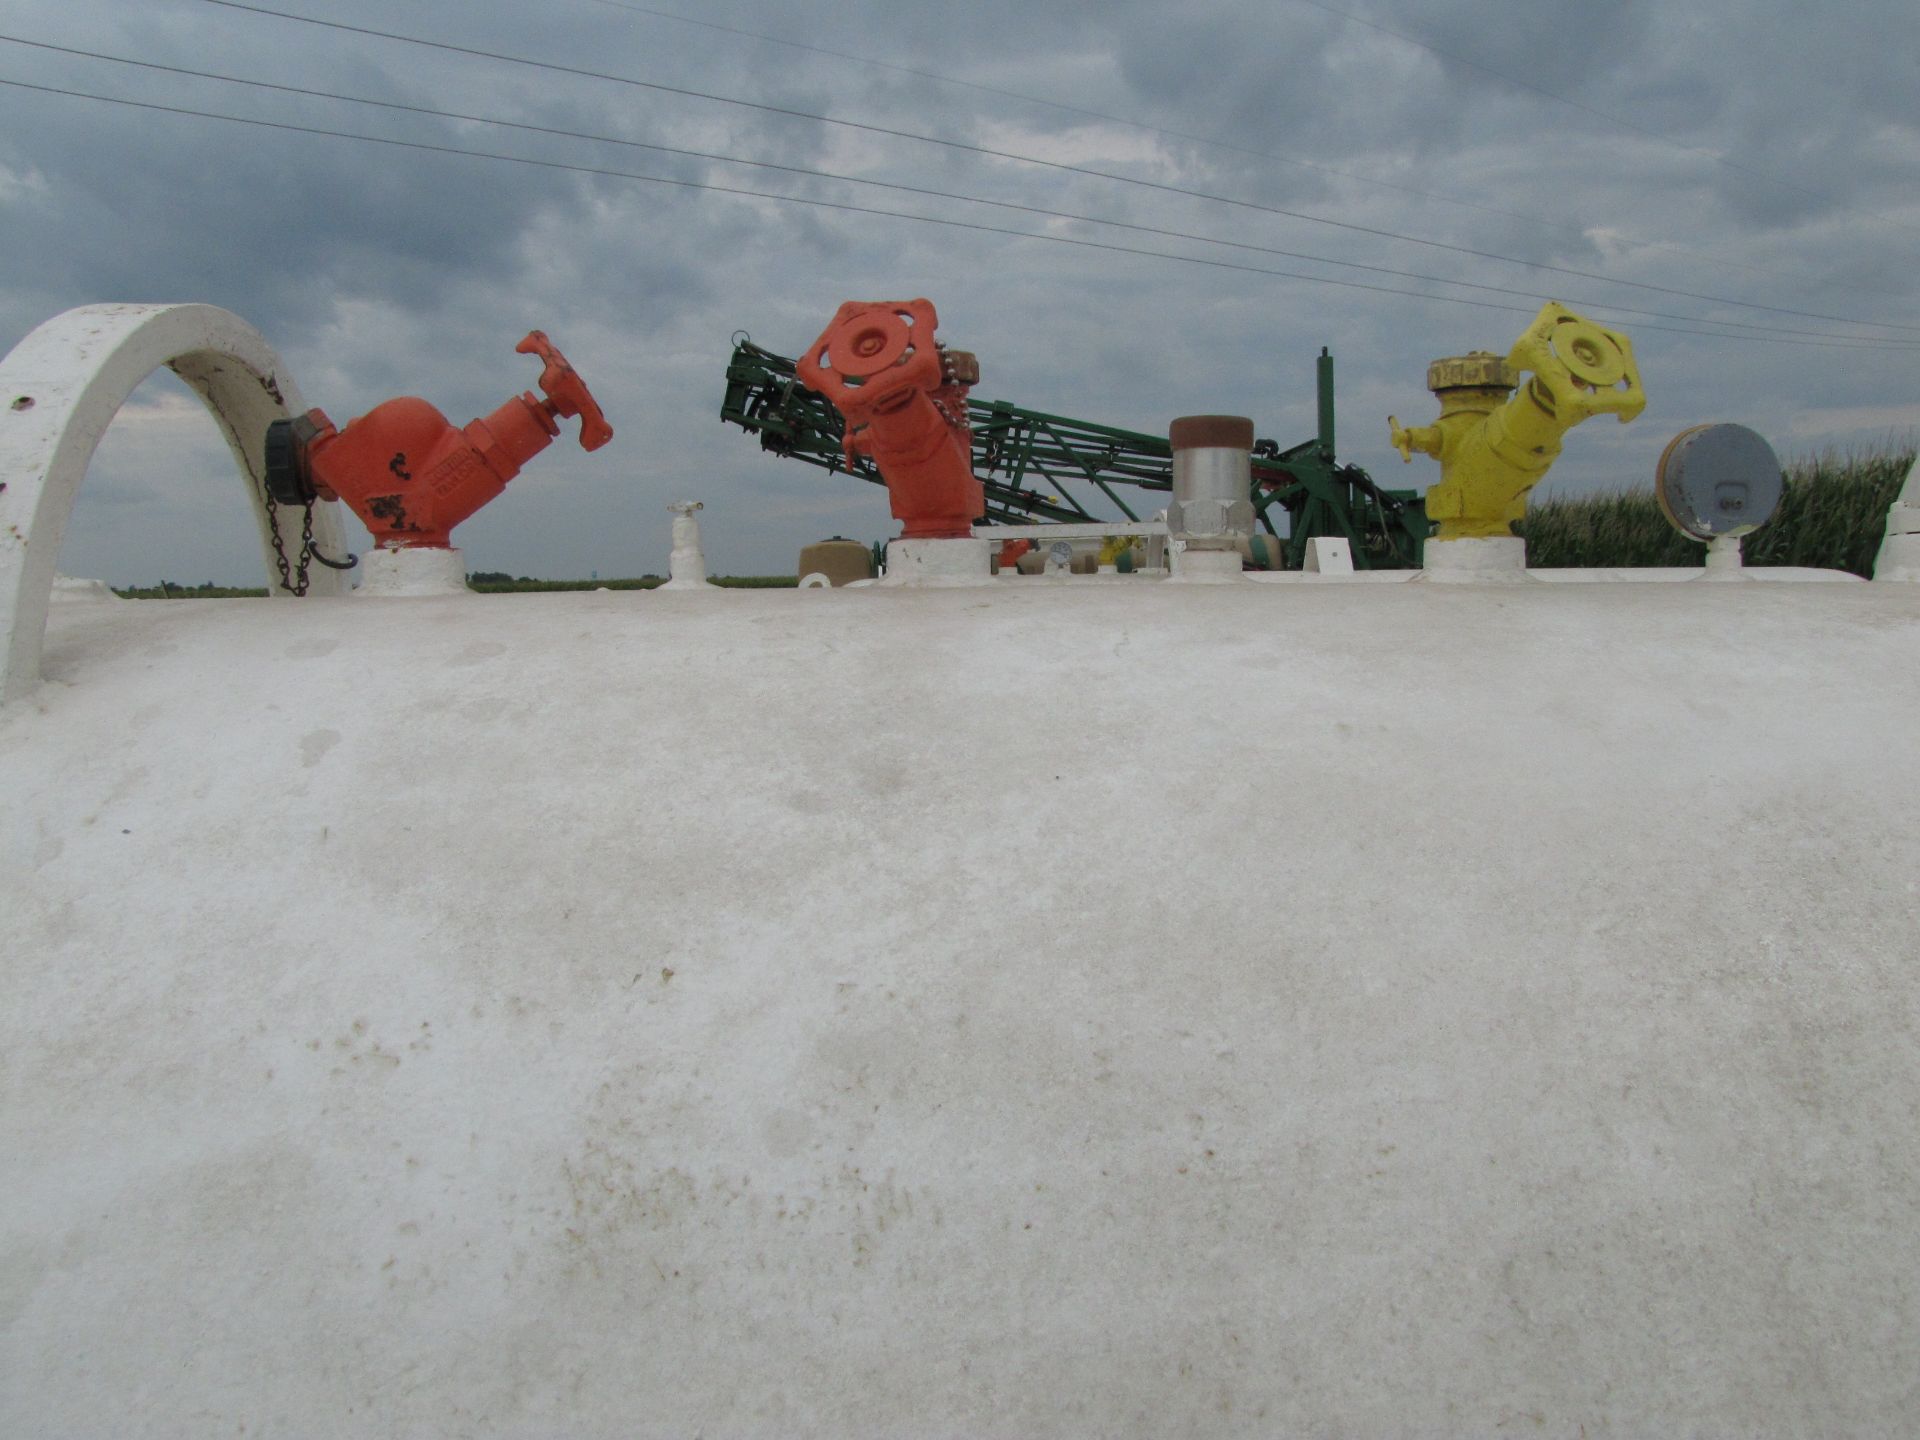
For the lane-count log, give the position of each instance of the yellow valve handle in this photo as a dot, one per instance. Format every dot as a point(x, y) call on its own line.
point(1585, 369)
point(1424, 438)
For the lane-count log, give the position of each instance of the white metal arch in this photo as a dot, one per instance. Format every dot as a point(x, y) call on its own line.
point(1899, 557)
point(60, 388)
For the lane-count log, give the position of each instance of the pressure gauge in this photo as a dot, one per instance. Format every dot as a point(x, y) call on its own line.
point(1718, 480)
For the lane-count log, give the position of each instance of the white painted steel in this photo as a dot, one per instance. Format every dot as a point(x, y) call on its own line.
point(687, 562)
point(1201, 564)
point(1312, 577)
point(1329, 555)
point(1071, 530)
point(1899, 557)
point(1484, 560)
point(1755, 574)
point(69, 590)
point(60, 388)
point(1761, 575)
point(938, 562)
point(411, 570)
point(867, 1013)
point(1724, 560)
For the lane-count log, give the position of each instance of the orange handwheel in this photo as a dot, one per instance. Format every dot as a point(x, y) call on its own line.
point(904, 398)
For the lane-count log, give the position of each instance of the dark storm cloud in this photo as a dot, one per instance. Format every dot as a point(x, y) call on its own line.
point(268, 223)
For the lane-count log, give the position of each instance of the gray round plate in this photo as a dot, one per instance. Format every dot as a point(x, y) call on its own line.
point(1718, 480)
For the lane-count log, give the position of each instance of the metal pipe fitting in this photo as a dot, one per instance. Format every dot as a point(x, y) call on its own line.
point(1212, 479)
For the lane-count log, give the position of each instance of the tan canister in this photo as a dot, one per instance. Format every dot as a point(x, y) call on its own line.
point(839, 559)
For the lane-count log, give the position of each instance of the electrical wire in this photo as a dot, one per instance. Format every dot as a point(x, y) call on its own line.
point(1458, 59)
point(1282, 157)
point(802, 170)
point(554, 68)
point(844, 207)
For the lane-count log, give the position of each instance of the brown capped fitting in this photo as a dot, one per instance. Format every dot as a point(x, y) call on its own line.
point(1481, 370)
point(1211, 432)
point(959, 367)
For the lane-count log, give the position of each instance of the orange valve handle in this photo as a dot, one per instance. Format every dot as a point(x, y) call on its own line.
point(566, 392)
point(849, 364)
point(906, 406)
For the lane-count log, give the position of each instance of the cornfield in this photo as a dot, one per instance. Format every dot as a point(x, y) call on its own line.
point(1832, 516)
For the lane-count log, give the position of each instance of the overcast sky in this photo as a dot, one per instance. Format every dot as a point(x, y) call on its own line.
point(1763, 152)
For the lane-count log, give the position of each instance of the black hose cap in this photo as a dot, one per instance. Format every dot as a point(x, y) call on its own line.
point(288, 479)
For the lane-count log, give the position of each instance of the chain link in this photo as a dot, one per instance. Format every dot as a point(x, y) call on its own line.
point(288, 574)
point(306, 543)
point(294, 580)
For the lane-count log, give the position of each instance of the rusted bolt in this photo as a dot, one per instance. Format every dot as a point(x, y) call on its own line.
point(23, 402)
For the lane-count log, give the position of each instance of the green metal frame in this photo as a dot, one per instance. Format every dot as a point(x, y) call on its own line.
point(1016, 450)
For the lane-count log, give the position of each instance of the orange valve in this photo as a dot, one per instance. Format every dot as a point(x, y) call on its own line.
point(903, 396)
point(1011, 551)
point(408, 473)
point(567, 394)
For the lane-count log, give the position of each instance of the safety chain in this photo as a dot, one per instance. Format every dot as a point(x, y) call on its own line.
point(280, 549)
point(308, 550)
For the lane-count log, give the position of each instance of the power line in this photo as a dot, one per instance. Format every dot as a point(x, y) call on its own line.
point(1082, 110)
point(841, 206)
point(1284, 158)
point(1458, 59)
point(959, 145)
point(802, 170)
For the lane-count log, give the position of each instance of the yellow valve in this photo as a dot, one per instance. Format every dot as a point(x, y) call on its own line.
point(1495, 443)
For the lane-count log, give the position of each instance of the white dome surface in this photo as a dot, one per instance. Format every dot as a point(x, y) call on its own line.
point(1098, 1008)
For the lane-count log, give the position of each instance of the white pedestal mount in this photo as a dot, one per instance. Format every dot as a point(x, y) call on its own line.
point(939, 562)
point(687, 565)
point(1482, 560)
point(414, 571)
point(1899, 557)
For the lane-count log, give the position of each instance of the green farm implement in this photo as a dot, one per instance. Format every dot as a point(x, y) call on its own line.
point(1037, 467)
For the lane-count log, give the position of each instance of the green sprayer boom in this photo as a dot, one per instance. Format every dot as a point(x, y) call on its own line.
point(1030, 463)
